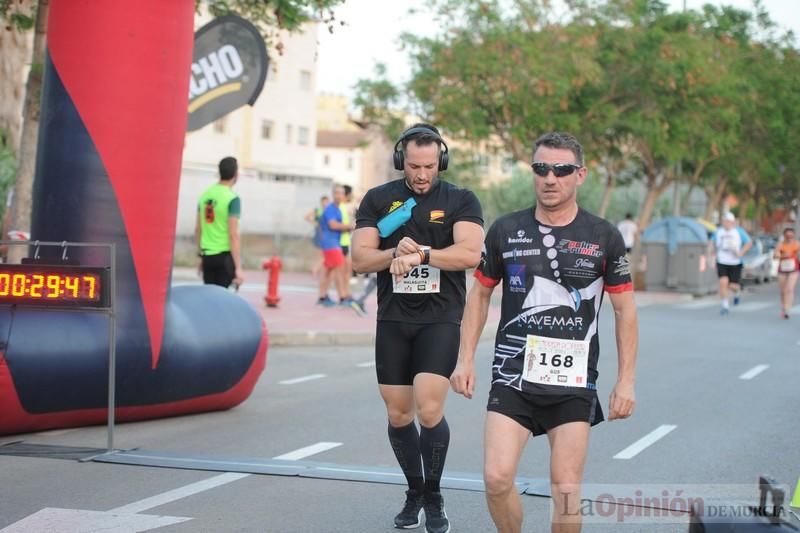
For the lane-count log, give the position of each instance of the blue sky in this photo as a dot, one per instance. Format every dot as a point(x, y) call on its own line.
point(373, 27)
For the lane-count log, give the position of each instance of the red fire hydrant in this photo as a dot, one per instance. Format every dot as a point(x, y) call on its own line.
point(273, 265)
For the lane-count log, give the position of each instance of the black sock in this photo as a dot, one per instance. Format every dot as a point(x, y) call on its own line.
point(433, 444)
point(405, 443)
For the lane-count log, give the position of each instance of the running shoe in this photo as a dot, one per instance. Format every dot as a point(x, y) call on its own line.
point(785, 315)
point(411, 515)
point(360, 308)
point(736, 300)
point(724, 311)
point(435, 516)
point(326, 302)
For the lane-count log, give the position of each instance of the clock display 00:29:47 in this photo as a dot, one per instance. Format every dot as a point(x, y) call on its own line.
point(50, 286)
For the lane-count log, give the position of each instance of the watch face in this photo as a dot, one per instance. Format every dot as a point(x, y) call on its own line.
point(54, 286)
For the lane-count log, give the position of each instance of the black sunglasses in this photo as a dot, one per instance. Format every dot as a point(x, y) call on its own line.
point(559, 169)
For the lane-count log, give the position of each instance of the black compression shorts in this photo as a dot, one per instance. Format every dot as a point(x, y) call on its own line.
point(540, 413)
point(403, 350)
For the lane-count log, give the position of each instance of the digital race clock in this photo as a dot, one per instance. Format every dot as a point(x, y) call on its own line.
point(54, 286)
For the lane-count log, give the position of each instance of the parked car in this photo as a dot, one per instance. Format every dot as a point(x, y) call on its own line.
point(758, 263)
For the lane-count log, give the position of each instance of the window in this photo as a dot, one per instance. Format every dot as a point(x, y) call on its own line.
point(305, 80)
point(266, 129)
point(350, 163)
point(325, 160)
point(302, 135)
point(288, 133)
point(219, 125)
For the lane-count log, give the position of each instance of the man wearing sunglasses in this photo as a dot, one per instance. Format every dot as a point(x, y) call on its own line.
point(555, 261)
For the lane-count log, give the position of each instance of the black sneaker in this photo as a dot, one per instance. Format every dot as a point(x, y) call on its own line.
point(435, 517)
point(411, 515)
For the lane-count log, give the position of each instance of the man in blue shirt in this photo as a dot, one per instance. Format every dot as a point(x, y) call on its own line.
point(331, 227)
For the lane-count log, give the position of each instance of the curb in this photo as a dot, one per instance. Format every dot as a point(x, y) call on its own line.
point(338, 338)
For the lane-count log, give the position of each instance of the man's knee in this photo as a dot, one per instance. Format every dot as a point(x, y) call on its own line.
point(430, 414)
point(498, 481)
point(399, 416)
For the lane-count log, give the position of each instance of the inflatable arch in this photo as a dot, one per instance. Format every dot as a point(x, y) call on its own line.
point(114, 112)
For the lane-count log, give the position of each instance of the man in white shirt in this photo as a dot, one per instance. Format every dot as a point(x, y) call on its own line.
point(629, 229)
point(730, 242)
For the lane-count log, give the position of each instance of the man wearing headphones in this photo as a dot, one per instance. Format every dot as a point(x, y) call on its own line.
point(419, 234)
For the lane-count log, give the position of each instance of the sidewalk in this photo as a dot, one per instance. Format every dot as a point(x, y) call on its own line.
point(298, 320)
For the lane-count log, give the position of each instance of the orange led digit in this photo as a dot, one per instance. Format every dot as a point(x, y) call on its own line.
point(5, 284)
point(53, 286)
point(18, 285)
point(36, 286)
point(71, 284)
point(90, 282)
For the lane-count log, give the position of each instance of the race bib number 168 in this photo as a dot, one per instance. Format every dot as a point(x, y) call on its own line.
point(560, 362)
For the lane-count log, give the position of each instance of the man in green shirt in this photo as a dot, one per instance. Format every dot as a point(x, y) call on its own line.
point(217, 228)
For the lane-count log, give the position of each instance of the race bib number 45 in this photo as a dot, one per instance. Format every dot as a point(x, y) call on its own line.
point(419, 280)
point(560, 362)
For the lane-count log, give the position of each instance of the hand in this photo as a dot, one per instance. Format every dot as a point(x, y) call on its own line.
point(402, 265)
point(622, 400)
point(406, 246)
point(462, 380)
point(238, 279)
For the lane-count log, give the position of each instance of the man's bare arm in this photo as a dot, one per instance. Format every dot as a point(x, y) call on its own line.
point(367, 257)
point(626, 327)
point(475, 312)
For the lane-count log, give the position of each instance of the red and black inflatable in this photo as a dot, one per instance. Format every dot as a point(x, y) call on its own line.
point(114, 112)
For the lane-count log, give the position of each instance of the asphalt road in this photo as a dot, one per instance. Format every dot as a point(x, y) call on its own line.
point(718, 405)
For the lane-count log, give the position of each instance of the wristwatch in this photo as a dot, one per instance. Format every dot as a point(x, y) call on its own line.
point(426, 254)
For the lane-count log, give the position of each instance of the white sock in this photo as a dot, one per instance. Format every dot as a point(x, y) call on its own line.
point(725, 304)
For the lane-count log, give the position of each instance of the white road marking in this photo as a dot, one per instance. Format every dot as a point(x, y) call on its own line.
point(179, 493)
point(302, 453)
point(366, 364)
point(301, 379)
point(753, 372)
point(52, 519)
point(752, 306)
point(634, 449)
point(698, 305)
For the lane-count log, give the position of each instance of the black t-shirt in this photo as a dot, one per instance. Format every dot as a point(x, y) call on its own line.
point(553, 280)
point(431, 224)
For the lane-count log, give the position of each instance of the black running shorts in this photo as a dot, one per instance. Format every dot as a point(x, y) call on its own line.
point(732, 272)
point(540, 413)
point(403, 350)
point(219, 269)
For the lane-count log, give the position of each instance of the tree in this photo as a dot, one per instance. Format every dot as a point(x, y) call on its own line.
point(267, 15)
point(20, 218)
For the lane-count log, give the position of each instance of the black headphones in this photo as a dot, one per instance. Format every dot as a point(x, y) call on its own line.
point(398, 155)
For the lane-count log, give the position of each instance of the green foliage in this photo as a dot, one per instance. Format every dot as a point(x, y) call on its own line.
point(692, 96)
point(270, 14)
point(8, 169)
point(379, 101)
point(17, 16)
